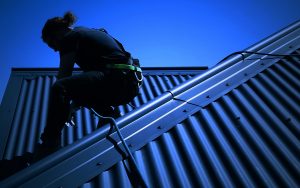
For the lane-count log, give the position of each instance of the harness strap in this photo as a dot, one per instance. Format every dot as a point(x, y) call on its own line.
point(124, 66)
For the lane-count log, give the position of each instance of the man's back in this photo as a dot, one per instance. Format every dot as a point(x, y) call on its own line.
point(91, 47)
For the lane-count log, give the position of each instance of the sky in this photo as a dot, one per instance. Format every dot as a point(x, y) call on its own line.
point(184, 33)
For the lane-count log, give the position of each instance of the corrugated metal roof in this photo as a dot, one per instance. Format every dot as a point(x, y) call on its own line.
point(29, 117)
point(249, 137)
point(236, 125)
point(242, 139)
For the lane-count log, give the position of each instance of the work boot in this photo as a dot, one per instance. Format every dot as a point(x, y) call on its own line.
point(17, 163)
point(112, 112)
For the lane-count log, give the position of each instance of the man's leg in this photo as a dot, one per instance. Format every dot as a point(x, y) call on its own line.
point(86, 89)
point(58, 111)
point(79, 88)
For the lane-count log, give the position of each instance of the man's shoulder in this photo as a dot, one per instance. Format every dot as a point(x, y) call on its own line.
point(81, 28)
point(86, 32)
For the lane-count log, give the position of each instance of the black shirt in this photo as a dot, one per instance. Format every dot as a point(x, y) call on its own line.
point(93, 48)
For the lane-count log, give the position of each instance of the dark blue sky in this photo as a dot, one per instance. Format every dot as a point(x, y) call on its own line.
point(159, 33)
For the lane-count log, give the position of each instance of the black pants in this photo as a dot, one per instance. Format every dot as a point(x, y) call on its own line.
point(96, 89)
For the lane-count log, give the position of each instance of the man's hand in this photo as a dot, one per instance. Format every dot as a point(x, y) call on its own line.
point(66, 65)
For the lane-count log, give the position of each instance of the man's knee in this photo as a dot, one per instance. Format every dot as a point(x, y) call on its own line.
point(58, 87)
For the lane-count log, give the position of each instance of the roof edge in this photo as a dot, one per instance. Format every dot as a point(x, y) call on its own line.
point(235, 59)
point(261, 44)
point(20, 69)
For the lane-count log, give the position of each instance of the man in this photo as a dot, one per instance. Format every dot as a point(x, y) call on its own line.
point(108, 77)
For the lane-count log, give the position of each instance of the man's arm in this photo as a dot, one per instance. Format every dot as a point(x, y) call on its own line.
point(66, 65)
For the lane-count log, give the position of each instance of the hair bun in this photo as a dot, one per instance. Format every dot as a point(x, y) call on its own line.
point(69, 18)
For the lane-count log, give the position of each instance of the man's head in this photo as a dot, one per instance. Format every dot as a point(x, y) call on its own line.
point(55, 28)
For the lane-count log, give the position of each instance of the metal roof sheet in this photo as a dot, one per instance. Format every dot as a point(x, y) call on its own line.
point(30, 86)
point(236, 125)
point(248, 137)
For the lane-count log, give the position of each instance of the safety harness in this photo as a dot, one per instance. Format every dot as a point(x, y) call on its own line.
point(132, 65)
